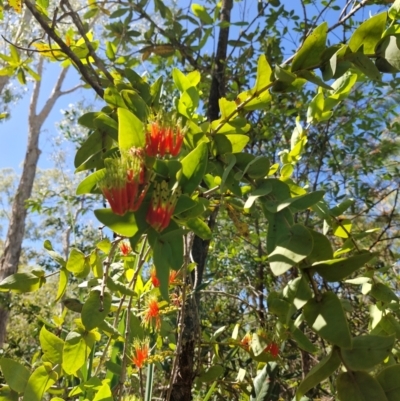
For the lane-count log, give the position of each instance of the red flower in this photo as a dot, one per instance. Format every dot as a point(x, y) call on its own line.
point(163, 140)
point(162, 206)
point(156, 282)
point(173, 274)
point(153, 277)
point(125, 182)
point(125, 248)
point(152, 314)
point(273, 349)
point(141, 353)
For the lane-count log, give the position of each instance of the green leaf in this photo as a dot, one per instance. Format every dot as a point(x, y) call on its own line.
point(389, 49)
point(278, 226)
point(116, 286)
point(291, 249)
point(368, 34)
point(6, 394)
point(52, 346)
point(359, 386)
point(21, 283)
point(104, 393)
point(110, 50)
point(40, 381)
point(76, 352)
point(318, 373)
point(135, 104)
point(383, 293)
point(76, 263)
point(327, 318)
point(107, 124)
point(263, 189)
point(97, 142)
point(211, 374)
point(338, 269)
point(367, 351)
point(201, 12)
point(365, 65)
point(193, 168)
point(95, 309)
point(15, 374)
point(297, 292)
point(303, 202)
point(175, 241)
point(312, 77)
point(113, 98)
point(264, 382)
point(322, 248)
point(302, 340)
point(54, 255)
point(264, 74)
point(394, 10)
point(122, 225)
point(161, 254)
point(88, 185)
point(388, 378)
point(131, 131)
point(200, 228)
point(62, 283)
point(309, 55)
point(181, 81)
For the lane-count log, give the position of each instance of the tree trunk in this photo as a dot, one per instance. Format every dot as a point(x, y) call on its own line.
point(16, 228)
point(186, 371)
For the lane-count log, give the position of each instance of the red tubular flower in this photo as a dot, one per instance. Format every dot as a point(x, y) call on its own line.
point(273, 349)
point(162, 206)
point(163, 140)
point(141, 353)
point(153, 277)
point(173, 274)
point(125, 182)
point(152, 314)
point(125, 248)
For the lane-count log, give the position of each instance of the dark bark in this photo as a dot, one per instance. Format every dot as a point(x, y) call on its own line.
point(186, 370)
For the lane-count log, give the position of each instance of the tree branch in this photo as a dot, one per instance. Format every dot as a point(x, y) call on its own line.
point(68, 52)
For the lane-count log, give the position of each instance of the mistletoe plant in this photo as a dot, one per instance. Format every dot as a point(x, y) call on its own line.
point(165, 173)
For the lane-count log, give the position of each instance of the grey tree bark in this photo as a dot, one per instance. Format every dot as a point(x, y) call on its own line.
point(13, 243)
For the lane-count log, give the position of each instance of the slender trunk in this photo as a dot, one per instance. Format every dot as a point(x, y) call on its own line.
point(3, 82)
point(16, 228)
point(186, 371)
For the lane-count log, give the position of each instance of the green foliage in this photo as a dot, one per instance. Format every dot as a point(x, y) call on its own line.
point(262, 195)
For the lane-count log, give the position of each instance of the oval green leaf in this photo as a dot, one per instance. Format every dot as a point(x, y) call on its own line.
point(95, 309)
point(359, 386)
point(327, 318)
point(367, 351)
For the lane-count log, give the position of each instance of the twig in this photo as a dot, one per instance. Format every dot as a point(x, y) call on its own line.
point(78, 63)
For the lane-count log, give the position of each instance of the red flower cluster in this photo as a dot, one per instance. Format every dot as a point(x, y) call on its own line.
point(156, 282)
point(141, 353)
point(125, 248)
point(126, 182)
point(163, 140)
point(153, 277)
point(273, 349)
point(162, 206)
point(152, 314)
